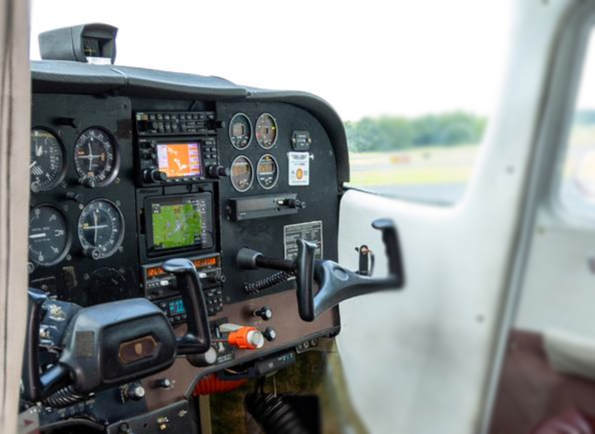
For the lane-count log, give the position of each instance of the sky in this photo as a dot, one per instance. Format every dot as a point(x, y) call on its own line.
point(367, 58)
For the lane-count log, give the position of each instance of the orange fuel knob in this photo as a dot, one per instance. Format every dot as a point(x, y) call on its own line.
point(246, 338)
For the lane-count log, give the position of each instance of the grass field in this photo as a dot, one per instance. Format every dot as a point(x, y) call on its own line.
point(427, 166)
point(453, 165)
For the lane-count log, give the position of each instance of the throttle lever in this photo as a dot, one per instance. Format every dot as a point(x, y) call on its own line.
point(197, 339)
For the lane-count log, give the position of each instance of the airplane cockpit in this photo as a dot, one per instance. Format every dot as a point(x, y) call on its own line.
point(183, 237)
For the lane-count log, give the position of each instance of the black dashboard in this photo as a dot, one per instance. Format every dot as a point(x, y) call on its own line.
point(131, 168)
point(120, 185)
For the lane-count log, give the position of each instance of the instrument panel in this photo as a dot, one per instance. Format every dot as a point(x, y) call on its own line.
point(122, 184)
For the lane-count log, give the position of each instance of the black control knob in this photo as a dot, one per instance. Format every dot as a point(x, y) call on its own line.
point(163, 383)
point(296, 203)
point(265, 313)
point(135, 392)
point(213, 124)
point(218, 278)
point(77, 197)
point(270, 334)
point(218, 171)
point(88, 182)
point(292, 203)
point(93, 253)
point(154, 175)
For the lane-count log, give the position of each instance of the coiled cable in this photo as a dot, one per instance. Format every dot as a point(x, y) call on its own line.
point(274, 414)
point(266, 283)
point(64, 398)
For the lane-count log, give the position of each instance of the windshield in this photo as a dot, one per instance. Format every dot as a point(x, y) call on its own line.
point(415, 82)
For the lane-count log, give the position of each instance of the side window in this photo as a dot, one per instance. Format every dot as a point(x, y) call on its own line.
point(577, 189)
point(427, 158)
point(442, 86)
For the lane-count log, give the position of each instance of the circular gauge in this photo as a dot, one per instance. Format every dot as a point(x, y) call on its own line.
point(108, 281)
point(240, 131)
point(49, 238)
point(100, 228)
point(267, 171)
point(95, 158)
point(47, 160)
point(242, 174)
point(266, 131)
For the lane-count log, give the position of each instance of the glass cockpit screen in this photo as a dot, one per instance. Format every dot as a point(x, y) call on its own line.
point(180, 222)
point(179, 160)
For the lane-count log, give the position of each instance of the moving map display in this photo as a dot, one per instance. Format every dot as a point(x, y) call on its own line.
point(180, 222)
point(179, 160)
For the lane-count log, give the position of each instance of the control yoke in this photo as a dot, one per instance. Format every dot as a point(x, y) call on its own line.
point(197, 339)
point(335, 283)
point(112, 343)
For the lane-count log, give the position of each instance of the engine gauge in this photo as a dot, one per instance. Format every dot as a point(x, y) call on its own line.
point(49, 237)
point(267, 171)
point(100, 229)
point(266, 131)
point(242, 174)
point(47, 160)
point(95, 158)
point(240, 131)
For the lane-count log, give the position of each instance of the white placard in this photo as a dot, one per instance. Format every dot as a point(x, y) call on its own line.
point(299, 168)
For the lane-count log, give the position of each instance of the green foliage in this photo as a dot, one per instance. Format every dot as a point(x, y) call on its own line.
point(397, 133)
point(387, 134)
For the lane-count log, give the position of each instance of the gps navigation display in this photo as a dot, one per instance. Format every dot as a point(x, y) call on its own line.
point(180, 222)
point(179, 160)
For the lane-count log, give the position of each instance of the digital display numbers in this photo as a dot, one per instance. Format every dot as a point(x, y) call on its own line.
point(241, 168)
point(177, 307)
point(198, 263)
point(238, 129)
point(179, 160)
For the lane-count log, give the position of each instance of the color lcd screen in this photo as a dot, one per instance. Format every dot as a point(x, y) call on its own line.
point(179, 160)
point(180, 222)
point(176, 307)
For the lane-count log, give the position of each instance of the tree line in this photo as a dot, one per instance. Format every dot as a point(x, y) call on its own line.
point(399, 133)
point(447, 129)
